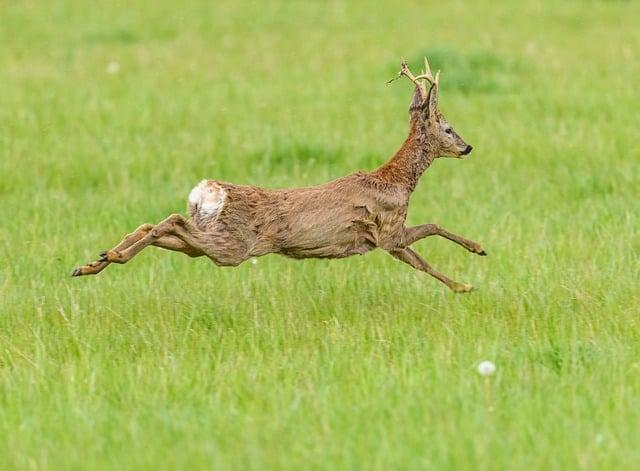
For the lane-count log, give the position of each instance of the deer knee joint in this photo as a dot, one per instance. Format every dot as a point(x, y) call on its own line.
point(146, 227)
point(143, 229)
point(167, 225)
point(176, 219)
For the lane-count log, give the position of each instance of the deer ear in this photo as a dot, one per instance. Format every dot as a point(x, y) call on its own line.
point(431, 103)
point(416, 100)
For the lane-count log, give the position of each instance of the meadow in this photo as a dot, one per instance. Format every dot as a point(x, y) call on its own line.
point(110, 112)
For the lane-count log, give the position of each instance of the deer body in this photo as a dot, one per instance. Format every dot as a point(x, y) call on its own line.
point(345, 217)
point(352, 215)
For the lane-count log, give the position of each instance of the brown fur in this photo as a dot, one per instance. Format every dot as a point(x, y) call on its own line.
point(348, 216)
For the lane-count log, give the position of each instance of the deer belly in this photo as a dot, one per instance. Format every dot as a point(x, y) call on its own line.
point(330, 240)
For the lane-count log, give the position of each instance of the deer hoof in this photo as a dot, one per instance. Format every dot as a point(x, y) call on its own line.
point(77, 272)
point(477, 249)
point(462, 287)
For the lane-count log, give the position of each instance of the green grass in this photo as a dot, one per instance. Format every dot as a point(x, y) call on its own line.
point(354, 364)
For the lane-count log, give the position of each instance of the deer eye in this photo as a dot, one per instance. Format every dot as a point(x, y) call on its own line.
point(449, 131)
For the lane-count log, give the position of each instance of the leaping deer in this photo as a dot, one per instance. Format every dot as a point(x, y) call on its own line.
point(353, 215)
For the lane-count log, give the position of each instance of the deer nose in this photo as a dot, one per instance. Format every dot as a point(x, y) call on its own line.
point(467, 150)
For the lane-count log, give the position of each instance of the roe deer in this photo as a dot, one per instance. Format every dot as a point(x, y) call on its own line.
point(352, 215)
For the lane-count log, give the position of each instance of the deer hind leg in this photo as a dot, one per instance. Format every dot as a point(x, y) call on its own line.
point(96, 267)
point(413, 234)
point(176, 244)
point(223, 249)
point(165, 241)
point(410, 257)
point(168, 227)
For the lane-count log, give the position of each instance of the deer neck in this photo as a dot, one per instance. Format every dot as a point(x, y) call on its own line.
point(410, 161)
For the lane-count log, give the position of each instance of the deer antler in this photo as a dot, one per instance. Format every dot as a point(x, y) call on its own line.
point(427, 75)
point(404, 70)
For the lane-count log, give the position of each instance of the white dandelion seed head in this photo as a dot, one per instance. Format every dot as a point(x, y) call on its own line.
point(113, 68)
point(486, 368)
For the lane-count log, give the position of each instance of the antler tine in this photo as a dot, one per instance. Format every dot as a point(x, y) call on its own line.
point(426, 66)
point(427, 75)
point(399, 73)
point(404, 70)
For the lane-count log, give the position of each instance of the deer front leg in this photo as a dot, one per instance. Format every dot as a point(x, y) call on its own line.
point(413, 234)
point(410, 257)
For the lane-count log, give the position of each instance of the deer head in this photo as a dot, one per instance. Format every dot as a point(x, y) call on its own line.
point(441, 137)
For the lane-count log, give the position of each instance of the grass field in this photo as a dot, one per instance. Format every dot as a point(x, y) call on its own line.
point(110, 112)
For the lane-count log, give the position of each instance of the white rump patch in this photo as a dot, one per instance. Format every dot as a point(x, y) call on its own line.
point(207, 198)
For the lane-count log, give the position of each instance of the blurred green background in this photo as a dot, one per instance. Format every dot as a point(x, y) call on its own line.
point(110, 112)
